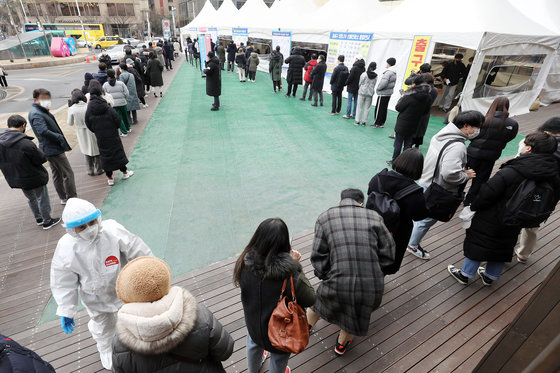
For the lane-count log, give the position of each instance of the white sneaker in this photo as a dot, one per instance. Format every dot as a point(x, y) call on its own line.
point(111, 182)
point(145, 105)
point(123, 135)
point(419, 252)
point(128, 174)
point(107, 359)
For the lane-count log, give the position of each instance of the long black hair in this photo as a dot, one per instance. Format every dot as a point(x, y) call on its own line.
point(270, 239)
point(112, 79)
point(76, 96)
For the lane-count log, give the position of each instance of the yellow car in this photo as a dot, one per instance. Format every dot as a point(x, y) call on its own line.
point(107, 41)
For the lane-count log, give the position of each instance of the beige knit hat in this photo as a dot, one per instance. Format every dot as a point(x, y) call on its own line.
point(144, 279)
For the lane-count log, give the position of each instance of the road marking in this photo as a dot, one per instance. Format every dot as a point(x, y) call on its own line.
point(17, 87)
point(41, 79)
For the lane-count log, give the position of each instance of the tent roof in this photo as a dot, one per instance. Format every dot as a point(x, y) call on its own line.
point(292, 15)
point(252, 14)
point(332, 15)
point(226, 14)
point(478, 17)
point(545, 12)
point(206, 17)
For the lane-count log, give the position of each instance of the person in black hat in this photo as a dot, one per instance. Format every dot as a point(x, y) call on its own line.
point(451, 75)
point(213, 79)
point(424, 68)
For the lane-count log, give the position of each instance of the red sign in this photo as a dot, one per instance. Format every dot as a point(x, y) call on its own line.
point(111, 261)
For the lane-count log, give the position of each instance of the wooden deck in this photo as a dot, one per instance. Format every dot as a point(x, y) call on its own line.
point(427, 321)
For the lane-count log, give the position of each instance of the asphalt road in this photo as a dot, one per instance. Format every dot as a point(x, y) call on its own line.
point(59, 80)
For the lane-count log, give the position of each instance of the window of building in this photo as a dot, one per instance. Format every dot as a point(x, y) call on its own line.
point(94, 9)
point(112, 9)
point(129, 7)
point(120, 9)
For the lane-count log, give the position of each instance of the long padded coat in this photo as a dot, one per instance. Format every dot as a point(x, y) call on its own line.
point(295, 70)
point(351, 249)
point(132, 102)
point(213, 77)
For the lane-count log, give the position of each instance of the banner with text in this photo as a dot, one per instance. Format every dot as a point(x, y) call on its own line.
point(166, 27)
point(284, 40)
point(348, 44)
point(240, 35)
point(205, 46)
point(214, 32)
point(417, 56)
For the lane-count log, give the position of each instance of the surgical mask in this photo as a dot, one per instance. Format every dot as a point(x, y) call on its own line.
point(45, 104)
point(474, 134)
point(90, 233)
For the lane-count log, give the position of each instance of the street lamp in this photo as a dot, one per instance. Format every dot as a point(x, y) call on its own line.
point(24, 12)
point(173, 9)
point(82, 23)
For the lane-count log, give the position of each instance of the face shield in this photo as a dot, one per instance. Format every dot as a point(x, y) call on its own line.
point(81, 219)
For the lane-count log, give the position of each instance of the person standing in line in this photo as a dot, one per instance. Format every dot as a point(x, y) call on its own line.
point(154, 71)
point(407, 168)
point(189, 51)
point(86, 139)
point(101, 74)
point(307, 77)
point(424, 69)
point(21, 163)
point(104, 122)
point(253, 63)
point(338, 79)
point(351, 250)
point(489, 239)
point(296, 63)
point(53, 143)
point(366, 89)
point(162, 328)
point(231, 51)
point(176, 48)
point(107, 97)
point(221, 51)
point(318, 77)
point(196, 53)
point(413, 105)
point(528, 237)
point(353, 86)
point(248, 52)
point(106, 59)
point(132, 103)
point(85, 265)
point(468, 68)
point(425, 120)
point(120, 93)
point(275, 68)
point(241, 61)
point(451, 75)
point(88, 77)
point(213, 80)
point(3, 73)
point(384, 92)
point(159, 53)
point(168, 48)
point(453, 173)
point(260, 271)
point(483, 152)
point(138, 80)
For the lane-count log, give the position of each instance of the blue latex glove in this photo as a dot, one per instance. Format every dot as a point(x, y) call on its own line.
point(67, 324)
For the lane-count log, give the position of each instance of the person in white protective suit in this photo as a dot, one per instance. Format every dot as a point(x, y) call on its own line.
point(87, 261)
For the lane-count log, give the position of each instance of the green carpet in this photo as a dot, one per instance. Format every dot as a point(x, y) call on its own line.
point(205, 180)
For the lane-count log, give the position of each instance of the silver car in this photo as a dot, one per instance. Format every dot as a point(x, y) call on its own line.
point(116, 52)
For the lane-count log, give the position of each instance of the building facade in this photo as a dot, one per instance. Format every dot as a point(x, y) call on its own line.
point(125, 18)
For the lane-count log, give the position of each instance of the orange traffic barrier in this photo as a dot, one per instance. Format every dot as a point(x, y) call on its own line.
point(87, 59)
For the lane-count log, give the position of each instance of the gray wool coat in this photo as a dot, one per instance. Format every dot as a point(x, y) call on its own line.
point(132, 102)
point(350, 249)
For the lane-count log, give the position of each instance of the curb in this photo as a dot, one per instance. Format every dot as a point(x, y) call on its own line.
point(56, 61)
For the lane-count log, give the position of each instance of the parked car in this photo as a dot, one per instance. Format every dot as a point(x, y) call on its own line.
point(107, 41)
point(82, 43)
point(116, 52)
point(131, 41)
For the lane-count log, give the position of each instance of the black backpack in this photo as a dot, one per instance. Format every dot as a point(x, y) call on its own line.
point(386, 205)
point(530, 205)
point(16, 358)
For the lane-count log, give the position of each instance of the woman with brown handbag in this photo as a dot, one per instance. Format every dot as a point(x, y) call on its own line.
point(260, 272)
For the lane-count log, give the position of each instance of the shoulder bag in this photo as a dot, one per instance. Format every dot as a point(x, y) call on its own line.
point(288, 329)
point(440, 202)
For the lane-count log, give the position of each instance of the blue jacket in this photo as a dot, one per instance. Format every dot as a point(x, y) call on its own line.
point(101, 76)
point(16, 358)
point(51, 139)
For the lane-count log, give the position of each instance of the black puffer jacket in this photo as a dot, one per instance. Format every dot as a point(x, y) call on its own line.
point(231, 51)
point(412, 106)
point(260, 291)
point(184, 336)
point(488, 239)
point(104, 122)
point(213, 77)
point(353, 81)
point(318, 76)
point(15, 358)
point(295, 70)
point(425, 120)
point(21, 161)
point(492, 140)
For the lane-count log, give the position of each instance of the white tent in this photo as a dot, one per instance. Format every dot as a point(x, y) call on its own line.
point(225, 17)
point(491, 28)
point(333, 15)
point(253, 15)
point(205, 18)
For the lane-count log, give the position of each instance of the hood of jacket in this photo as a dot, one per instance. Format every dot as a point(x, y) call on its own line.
point(371, 74)
point(391, 69)
point(420, 92)
point(360, 63)
point(157, 327)
point(280, 266)
point(97, 105)
point(297, 51)
point(534, 166)
point(240, 53)
point(254, 55)
point(277, 56)
point(450, 132)
point(10, 137)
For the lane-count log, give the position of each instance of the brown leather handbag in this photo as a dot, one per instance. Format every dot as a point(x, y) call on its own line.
point(288, 329)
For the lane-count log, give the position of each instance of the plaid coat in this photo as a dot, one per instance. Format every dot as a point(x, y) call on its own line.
point(350, 249)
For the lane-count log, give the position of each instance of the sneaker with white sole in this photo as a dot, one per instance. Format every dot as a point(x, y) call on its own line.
point(145, 105)
point(127, 175)
point(63, 201)
point(457, 275)
point(111, 181)
point(419, 252)
point(487, 281)
point(51, 223)
point(520, 259)
point(39, 222)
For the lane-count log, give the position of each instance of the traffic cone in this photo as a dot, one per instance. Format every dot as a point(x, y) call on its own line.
point(87, 59)
point(94, 57)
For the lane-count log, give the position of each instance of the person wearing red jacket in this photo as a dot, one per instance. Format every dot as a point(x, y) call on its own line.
point(307, 77)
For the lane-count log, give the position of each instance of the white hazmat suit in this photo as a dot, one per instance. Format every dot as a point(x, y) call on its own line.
point(88, 264)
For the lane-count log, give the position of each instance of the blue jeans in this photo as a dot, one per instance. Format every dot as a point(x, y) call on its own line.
point(39, 202)
point(278, 362)
point(352, 97)
point(493, 269)
point(420, 229)
point(398, 144)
